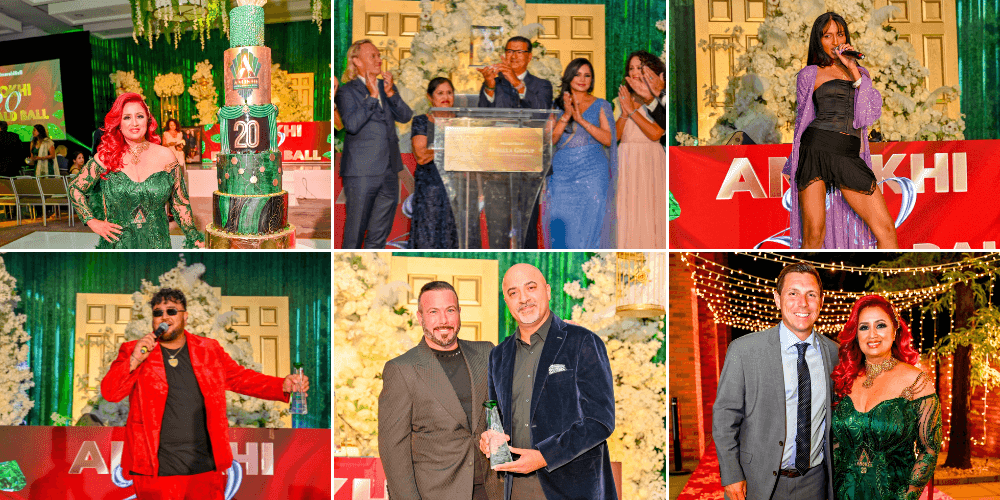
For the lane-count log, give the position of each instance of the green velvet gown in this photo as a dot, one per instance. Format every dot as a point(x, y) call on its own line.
point(879, 454)
point(140, 208)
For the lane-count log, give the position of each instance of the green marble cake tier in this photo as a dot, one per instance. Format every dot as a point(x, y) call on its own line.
point(248, 214)
point(255, 173)
point(219, 239)
point(250, 128)
point(246, 26)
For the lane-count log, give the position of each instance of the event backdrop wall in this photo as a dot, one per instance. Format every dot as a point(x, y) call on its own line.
point(48, 283)
point(630, 26)
point(558, 268)
point(74, 54)
point(298, 47)
point(979, 68)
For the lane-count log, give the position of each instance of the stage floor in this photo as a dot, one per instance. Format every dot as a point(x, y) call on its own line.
point(87, 241)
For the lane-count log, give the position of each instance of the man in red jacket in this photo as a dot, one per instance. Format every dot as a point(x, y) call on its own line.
point(176, 444)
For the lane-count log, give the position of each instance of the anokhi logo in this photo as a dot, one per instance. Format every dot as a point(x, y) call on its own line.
point(245, 70)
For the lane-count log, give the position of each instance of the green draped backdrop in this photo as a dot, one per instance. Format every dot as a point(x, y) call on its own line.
point(558, 268)
point(299, 47)
point(630, 25)
point(978, 60)
point(48, 283)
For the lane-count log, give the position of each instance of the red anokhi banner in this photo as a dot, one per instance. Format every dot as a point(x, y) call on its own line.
point(359, 478)
point(85, 463)
point(731, 196)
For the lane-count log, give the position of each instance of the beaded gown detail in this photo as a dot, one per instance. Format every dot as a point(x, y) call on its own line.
point(880, 453)
point(580, 201)
point(138, 207)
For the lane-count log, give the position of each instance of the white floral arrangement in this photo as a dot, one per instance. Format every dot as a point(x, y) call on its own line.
point(168, 85)
point(124, 81)
point(639, 440)
point(286, 98)
point(204, 319)
point(203, 91)
point(15, 373)
point(441, 48)
point(760, 100)
point(371, 326)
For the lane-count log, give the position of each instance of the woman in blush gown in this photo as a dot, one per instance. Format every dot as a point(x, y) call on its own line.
point(886, 428)
point(642, 163)
point(579, 209)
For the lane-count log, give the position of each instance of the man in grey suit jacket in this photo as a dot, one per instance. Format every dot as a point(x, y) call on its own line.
point(431, 409)
point(771, 418)
point(369, 167)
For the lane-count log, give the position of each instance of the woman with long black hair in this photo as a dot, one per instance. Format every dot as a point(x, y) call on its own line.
point(830, 157)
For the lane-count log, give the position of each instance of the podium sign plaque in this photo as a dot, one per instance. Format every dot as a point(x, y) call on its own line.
point(493, 163)
point(485, 149)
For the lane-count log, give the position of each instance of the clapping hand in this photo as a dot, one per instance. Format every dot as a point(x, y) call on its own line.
point(625, 100)
point(387, 79)
point(640, 87)
point(568, 104)
point(656, 83)
point(489, 75)
point(508, 73)
point(105, 229)
point(372, 83)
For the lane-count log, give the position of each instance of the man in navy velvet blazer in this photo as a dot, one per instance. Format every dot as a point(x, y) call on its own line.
point(371, 161)
point(553, 384)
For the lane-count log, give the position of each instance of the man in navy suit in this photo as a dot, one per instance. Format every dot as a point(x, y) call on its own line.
point(371, 161)
point(553, 385)
point(510, 85)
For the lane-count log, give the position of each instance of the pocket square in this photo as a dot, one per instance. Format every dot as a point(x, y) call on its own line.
point(556, 369)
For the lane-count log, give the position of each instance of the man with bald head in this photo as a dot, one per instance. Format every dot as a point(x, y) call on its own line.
point(552, 381)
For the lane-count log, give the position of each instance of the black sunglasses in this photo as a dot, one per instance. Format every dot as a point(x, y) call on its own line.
point(170, 312)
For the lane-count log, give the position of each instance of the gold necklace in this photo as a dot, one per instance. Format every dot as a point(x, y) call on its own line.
point(872, 371)
point(173, 356)
point(138, 152)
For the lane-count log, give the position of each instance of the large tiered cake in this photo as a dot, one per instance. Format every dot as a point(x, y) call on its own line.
point(249, 209)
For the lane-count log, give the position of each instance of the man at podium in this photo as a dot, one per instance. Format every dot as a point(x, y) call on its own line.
point(510, 85)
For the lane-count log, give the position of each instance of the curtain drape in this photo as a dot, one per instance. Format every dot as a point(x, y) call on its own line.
point(48, 283)
point(979, 66)
point(629, 25)
point(682, 68)
point(299, 47)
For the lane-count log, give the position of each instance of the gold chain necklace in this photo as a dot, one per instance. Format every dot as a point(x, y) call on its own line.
point(872, 371)
point(138, 152)
point(173, 356)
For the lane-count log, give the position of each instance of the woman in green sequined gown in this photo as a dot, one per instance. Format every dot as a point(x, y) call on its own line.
point(124, 192)
point(886, 418)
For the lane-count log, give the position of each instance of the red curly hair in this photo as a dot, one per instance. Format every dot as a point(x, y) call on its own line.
point(113, 145)
point(852, 360)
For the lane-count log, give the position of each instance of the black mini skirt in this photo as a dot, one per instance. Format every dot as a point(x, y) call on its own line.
point(835, 159)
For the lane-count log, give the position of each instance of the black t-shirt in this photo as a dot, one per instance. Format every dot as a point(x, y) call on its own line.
point(453, 363)
point(184, 445)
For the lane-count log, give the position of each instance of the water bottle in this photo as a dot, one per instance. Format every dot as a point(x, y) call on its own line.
point(297, 403)
point(499, 451)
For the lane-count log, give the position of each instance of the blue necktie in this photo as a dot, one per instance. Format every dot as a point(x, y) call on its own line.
point(803, 428)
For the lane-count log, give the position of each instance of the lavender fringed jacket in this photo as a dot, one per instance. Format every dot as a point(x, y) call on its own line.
point(844, 228)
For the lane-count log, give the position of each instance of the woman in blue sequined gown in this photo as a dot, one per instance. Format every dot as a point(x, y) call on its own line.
point(886, 428)
point(579, 197)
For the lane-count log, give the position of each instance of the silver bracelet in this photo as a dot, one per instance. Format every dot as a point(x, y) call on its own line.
point(856, 83)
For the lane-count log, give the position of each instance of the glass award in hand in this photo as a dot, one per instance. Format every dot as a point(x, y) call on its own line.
point(499, 451)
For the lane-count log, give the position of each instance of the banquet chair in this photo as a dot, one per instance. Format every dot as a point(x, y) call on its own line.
point(29, 193)
point(55, 192)
point(8, 197)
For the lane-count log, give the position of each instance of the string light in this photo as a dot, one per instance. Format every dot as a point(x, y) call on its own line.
point(970, 262)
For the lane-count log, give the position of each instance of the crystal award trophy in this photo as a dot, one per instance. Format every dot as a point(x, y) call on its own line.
point(499, 451)
point(297, 404)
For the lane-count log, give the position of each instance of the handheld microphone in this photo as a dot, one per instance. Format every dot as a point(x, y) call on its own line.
point(853, 53)
point(160, 330)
